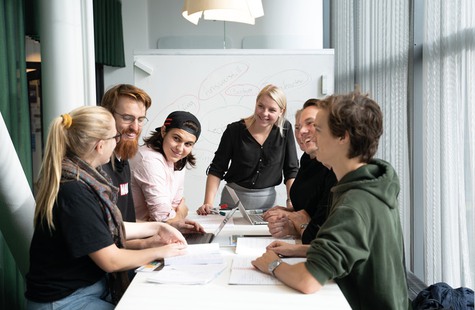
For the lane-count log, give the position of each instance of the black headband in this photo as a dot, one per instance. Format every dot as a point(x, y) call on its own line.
point(178, 119)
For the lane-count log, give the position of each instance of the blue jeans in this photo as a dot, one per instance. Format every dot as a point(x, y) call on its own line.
point(89, 297)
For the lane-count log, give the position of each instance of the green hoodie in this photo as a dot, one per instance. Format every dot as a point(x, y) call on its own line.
point(360, 245)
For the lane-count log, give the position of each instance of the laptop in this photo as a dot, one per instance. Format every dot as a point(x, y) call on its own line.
point(197, 238)
point(254, 217)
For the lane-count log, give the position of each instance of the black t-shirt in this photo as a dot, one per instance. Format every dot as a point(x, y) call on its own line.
point(311, 192)
point(242, 160)
point(121, 179)
point(59, 261)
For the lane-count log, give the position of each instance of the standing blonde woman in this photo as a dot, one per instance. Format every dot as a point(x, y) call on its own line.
point(253, 155)
point(76, 255)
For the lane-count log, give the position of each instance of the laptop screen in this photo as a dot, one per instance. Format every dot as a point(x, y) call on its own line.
point(232, 194)
point(225, 220)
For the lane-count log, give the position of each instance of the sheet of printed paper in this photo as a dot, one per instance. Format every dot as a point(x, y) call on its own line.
point(244, 273)
point(198, 254)
point(187, 274)
point(247, 249)
point(257, 245)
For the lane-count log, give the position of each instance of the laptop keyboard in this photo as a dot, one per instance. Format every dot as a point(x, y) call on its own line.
point(256, 217)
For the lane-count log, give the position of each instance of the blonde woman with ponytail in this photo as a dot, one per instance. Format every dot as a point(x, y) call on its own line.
point(77, 254)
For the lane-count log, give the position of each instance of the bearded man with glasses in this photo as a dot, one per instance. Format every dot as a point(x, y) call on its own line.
point(129, 105)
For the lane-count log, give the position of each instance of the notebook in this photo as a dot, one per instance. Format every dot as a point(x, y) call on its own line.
point(254, 217)
point(197, 238)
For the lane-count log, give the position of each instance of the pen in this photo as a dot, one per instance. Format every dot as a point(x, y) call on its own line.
point(216, 211)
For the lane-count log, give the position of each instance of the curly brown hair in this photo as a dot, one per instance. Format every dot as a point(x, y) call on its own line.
point(359, 116)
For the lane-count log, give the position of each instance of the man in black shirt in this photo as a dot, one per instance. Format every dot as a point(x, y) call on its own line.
point(129, 106)
point(310, 192)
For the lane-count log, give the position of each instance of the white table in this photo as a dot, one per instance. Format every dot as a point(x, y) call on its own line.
point(218, 294)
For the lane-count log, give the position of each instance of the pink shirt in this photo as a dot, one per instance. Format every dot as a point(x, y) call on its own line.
point(156, 188)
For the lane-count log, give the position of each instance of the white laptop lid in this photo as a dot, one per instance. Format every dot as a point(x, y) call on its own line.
point(225, 220)
point(233, 195)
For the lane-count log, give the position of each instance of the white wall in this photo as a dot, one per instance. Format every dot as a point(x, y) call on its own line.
point(220, 86)
point(289, 24)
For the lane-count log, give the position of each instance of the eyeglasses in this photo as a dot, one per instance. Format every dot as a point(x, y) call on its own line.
point(129, 119)
point(116, 137)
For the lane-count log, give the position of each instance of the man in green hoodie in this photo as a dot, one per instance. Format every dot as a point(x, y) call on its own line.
point(360, 245)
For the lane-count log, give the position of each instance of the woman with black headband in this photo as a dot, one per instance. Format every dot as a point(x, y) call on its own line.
point(158, 176)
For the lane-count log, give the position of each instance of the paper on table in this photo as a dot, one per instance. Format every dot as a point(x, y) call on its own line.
point(187, 274)
point(211, 221)
point(243, 272)
point(198, 254)
point(256, 246)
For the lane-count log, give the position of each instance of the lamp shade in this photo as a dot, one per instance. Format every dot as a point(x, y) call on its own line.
point(241, 11)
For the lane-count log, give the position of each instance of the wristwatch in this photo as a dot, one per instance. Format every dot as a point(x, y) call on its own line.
point(273, 265)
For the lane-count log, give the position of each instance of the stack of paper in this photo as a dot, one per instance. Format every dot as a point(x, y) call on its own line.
point(201, 264)
point(187, 274)
point(198, 254)
point(256, 245)
point(248, 249)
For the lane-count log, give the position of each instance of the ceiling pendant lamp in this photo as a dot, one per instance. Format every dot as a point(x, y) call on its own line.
point(240, 11)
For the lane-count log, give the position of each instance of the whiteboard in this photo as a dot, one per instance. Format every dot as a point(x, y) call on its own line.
point(220, 87)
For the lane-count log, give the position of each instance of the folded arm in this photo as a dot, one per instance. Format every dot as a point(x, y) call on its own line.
point(113, 259)
point(147, 229)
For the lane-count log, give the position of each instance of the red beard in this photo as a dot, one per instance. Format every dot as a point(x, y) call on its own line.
point(127, 148)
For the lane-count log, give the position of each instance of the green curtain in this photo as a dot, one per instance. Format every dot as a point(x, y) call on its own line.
point(108, 34)
point(13, 94)
point(15, 111)
point(12, 283)
point(32, 19)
